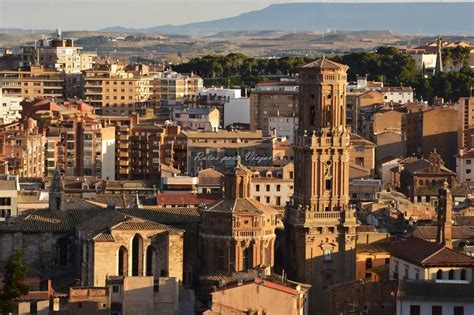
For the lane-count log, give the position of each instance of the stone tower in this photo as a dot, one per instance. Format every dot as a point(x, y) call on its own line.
point(439, 55)
point(56, 193)
point(320, 226)
point(237, 233)
point(445, 216)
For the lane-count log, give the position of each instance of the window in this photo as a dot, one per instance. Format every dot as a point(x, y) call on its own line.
point(458, 310)
point(437, 310)
point(291, 175)
point(451, 274)
point(79, 305)
point(328, 184)
point(368, 263)
point(328, 255)
point(278, 187)
point(267, 199)
point(463, 274)
point(115, 289)
point(268, 187)
point(278, 200)
point(415, 310)
point(468, 162)
point(439, 274)
point(468, 171)
point(257, 187)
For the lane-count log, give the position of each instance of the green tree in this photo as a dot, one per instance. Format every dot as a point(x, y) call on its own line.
point(13, 288)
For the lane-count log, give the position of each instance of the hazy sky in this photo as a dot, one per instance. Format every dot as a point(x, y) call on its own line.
point(95, 14)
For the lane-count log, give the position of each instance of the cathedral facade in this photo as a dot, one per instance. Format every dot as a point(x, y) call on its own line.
point(320, 225)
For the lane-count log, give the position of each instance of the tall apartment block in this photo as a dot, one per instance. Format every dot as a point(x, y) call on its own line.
point(114, 89)
point(172, 88)
point(272, 99)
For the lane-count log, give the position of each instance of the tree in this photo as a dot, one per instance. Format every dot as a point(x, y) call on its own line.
point(13, 288)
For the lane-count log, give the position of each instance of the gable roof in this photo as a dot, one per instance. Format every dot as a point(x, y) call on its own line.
point(425, 254)
point(435, 291)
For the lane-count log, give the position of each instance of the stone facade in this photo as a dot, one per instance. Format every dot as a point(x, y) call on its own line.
point(237, 233)
point(320, 226)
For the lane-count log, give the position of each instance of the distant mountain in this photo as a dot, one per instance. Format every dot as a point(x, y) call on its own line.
point(425, 17)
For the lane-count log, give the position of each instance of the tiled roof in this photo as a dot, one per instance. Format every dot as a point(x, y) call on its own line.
point(210, 176)
point(44, 220)
point(165, 215)
point(429, 232)
point(240, 205)
point(104, 237)
point(424, 253)
point(435, 291)
point(397, 89)
point(325, 64)
point(137, 225)
point(186, 199)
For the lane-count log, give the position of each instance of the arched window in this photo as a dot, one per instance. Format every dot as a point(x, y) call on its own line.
point(439, 274)
point(137, 256)
point(150, 261)
point(122, 261)
point(63, 251)
point(463, 274)
point(451, 274)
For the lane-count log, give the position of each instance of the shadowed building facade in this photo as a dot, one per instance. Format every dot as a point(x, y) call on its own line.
point(320, 226)
point(237, 232)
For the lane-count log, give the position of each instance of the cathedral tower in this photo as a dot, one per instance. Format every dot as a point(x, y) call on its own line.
point(56, 193)
point(320, 225)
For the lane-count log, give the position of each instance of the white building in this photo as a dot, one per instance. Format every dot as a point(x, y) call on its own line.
point(435, 298)
point(272, 185)
point(284, 127)
point(428, 61)
point(219, 94)
point(465, 166)
point(205, 119)
point(237, 110)
point(9, 188)
point(384, 168)
point(10, 108)
point(417, 259)
point(398, 94)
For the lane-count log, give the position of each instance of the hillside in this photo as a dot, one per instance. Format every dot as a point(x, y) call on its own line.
point(408, 18)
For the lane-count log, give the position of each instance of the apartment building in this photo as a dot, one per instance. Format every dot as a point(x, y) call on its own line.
point(22, 148)
point(115, 89)
point(206, 119)
point(397, 94)
point(10, 108)
point(142, 145)
point(272, 185)
point(31, 82)
point(58, 53)
point(85, 148)
point(172, 88)
point(219, 149)
point(465, 109)
point(272, 99)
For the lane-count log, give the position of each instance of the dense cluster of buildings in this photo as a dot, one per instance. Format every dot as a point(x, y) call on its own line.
point(150, 194)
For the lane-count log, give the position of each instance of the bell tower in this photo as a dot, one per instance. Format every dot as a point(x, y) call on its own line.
point(320, 226)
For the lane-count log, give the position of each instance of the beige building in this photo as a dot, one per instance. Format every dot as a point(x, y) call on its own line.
point(465, 109)
point(8, 198)
point(172, 88)
point(58, 53)
point(219, 149)
point(143, 295)
point(260, 296)
point(31, 82)
point(320, 226)
point(93, 301)
point(272, 185)
point(272, 99)
point(205, 119)
point(114, 89)
point(362, 157)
